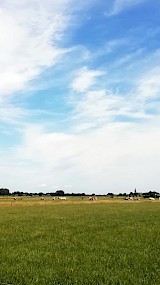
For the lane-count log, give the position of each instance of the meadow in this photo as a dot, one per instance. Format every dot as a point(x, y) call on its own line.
point(79, 243)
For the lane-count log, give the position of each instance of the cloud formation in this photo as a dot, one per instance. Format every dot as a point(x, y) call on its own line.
point(85, 78)
point(29, 32)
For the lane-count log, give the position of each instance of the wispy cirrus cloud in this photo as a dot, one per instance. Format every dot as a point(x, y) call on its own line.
point(29, 35)
point(31, 41)
point(9, 113)
point(98, 106)
point(149, 85)
point(120, 5)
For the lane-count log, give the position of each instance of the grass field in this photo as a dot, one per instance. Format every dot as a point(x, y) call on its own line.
point(80, 243)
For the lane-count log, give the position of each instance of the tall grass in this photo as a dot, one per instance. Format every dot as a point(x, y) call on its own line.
point(110, 244)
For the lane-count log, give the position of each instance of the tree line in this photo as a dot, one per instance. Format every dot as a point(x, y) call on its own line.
point(6, 192)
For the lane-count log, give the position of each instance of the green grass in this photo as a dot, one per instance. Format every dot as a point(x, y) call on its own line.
point(85, 244)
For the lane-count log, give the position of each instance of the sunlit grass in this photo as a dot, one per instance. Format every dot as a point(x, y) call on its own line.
point(80, 244)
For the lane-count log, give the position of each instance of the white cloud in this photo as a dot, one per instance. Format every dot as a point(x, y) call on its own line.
point(148, 86)
point(84, 79)
point(29, 33)
point(55, 145)
point(115, 158)
point(96, 108)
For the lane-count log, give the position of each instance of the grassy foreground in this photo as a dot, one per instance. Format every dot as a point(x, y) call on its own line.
point(84, 244)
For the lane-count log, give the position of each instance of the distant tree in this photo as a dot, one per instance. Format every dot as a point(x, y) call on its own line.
point(4, 191)
point(59, 193)
point(152, 194)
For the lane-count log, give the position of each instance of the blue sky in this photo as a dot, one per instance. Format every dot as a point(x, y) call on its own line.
point(80, 95)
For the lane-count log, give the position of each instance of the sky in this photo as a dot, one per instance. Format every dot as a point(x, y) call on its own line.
point(80, 95)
